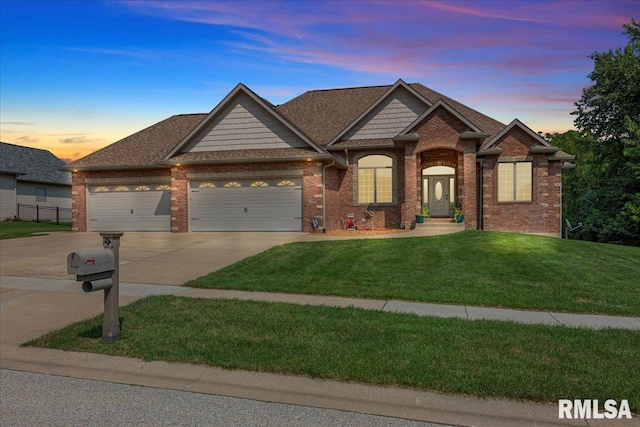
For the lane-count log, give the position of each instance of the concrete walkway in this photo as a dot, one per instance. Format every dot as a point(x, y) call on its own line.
point(137, 290)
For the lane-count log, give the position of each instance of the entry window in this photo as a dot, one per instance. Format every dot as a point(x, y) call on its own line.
point(514, 182)
point(375, 176)
point(41, 194)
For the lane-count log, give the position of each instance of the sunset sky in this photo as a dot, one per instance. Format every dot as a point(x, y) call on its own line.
point(78, 75)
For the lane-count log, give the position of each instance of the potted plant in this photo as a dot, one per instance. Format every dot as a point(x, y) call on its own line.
point(458, 214)
point(422, 214)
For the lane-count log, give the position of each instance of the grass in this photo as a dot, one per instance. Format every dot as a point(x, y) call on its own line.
point(471, 268)
point(15, 229)
point(483, 358)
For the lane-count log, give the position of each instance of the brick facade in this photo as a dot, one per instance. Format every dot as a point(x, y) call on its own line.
point(444, 138)
point(543, 213)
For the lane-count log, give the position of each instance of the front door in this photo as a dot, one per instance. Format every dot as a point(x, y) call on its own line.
point(439, 196)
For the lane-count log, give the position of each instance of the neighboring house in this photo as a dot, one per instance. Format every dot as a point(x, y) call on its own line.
point(29, 176)
point(251, 166)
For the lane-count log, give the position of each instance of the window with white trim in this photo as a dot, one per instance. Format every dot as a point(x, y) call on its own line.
point(375, 179)
point(515, 182)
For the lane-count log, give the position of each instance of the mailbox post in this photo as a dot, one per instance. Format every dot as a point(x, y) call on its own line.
point(111, 324)
point(99, 269)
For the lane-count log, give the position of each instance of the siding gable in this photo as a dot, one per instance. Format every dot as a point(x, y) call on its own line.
point(244, 125)
point(390, 117)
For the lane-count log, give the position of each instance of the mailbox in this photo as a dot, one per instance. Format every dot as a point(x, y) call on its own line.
point(92, 264)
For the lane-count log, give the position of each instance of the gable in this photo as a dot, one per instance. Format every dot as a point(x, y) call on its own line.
point(244, 125)
point(515, 142)
point(516, 138)
point(440, 124)
point(390, 117)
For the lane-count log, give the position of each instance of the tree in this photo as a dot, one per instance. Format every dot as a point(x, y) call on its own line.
point(608, 118)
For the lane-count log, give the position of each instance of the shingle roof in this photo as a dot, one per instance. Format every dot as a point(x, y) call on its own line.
point(361, 143)
point(323, 114)
point(319, 114)
point(144, 148)
point(32, 164)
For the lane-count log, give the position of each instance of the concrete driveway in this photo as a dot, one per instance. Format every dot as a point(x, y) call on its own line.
point(154, 258)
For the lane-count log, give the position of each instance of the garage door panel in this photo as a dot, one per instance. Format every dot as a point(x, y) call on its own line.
point(247, 208)
point(130, 211)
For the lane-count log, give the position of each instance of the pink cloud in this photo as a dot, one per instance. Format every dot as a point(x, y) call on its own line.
point(436, 41)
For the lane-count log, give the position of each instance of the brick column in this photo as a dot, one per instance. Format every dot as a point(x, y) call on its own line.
point(179, 200)
point(469, 191)
point(409, 205)
point(78, 202)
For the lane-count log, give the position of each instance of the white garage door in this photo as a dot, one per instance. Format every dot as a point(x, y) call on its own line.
point(247, 205)
point(130, 207)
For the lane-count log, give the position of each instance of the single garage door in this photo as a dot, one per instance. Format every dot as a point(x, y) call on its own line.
point(246, 205)
point(137, 207)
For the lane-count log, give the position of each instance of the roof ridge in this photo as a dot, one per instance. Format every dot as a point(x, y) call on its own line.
point(346, 88)
point(24, 146)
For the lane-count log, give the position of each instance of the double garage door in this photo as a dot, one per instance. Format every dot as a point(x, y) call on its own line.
point(140, 207)
point(246, 205)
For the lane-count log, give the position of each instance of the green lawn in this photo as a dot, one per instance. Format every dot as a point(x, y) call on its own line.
point(13, 229)
point(471, 268)
point(482, 358)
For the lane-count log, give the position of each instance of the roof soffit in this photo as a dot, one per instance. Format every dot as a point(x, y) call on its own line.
point(398, 84)
point(240, 88)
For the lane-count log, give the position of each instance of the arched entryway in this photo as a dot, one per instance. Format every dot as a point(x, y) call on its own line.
point(439, 181)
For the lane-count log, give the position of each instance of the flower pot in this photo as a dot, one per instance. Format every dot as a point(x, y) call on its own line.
point(459, 218)
point(419, 219)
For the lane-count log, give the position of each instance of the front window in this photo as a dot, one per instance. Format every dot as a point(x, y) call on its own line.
point(514, 182)
point(375, 179)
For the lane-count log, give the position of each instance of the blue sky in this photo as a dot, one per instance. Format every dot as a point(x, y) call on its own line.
point(78, 75)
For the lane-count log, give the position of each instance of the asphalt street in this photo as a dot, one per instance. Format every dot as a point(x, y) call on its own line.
point(29, 399)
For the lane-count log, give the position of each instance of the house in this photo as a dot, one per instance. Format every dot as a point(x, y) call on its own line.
point(30, 176)
point(251, 166)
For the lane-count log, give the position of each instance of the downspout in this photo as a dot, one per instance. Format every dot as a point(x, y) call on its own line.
point(481, 202)
point(324, 203)
point(561, 207)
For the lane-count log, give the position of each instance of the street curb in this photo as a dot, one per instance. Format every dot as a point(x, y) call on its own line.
point(288, 389)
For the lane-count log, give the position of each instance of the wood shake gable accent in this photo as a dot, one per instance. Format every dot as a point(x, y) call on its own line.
point(389, 117)
point(244, 126)
point(398, 107)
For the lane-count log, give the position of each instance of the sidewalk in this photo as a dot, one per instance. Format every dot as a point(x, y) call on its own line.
point(30, 307)
point(421, 309)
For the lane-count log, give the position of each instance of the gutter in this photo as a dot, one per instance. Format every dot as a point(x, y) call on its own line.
point(71, 168)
